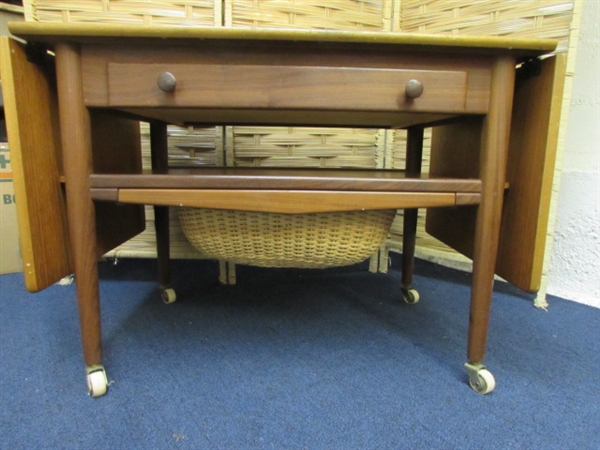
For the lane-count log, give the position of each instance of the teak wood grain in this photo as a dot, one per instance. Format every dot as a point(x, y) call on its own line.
point(77, 150)
point(456, 226)
point(35, 154)
point(286, 87)
point(131, 74)
point(117, 149)
point(492, 172)
point(532, 149)
point(159, 154)
point(298, 179)
point(116, 33)
point(285, 202)
point(414, 157)
point(530, 169)
point(209, 117)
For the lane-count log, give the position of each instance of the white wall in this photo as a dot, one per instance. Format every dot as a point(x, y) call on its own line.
point(575, 261)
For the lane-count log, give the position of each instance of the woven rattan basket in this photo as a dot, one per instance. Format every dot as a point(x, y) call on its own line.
point(282, 240)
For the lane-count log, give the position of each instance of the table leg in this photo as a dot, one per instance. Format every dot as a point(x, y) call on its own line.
point(494, 150)
point(414, 157)
point(160, 162)
point(77, 163)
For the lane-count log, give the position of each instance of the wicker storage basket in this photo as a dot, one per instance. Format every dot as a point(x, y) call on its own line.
point(281, 240)
point(306, 240)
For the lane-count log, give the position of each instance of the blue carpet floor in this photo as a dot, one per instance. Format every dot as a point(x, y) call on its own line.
point(295, 359)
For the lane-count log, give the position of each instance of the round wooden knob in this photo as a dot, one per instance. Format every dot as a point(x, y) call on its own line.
point(414, 89)
point(166, 82)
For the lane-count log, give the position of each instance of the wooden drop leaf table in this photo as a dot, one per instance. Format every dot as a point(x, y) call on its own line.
point(81, 187)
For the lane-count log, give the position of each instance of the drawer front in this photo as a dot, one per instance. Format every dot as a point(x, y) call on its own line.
point(285, 87)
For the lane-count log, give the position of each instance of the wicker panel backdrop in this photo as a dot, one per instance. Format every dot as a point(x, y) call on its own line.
point(301, 147)
point(524, 18)
point(354, 15)
point(149, 12)
point(305, 147)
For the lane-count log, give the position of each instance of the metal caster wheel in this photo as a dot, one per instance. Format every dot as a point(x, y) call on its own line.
point(481, 380)
point(410, 296)
point(168, 295)
point(96, 380)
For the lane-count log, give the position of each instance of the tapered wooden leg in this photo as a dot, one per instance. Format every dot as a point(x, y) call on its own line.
point(160, 162)
point(77, 164)
point(414, 156)
point(161, 220)
point(494, 150)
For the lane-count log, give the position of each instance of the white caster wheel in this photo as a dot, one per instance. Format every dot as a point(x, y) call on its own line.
point(481, 380)
point(410, 296)
point(168, 295)
point(96, 381)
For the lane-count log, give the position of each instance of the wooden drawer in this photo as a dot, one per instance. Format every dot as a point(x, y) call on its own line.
point(286, 88)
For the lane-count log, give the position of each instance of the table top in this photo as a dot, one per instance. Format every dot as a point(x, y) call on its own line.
point(81, 33)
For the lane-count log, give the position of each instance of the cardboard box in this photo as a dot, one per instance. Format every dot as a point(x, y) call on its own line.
point(10, 254)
